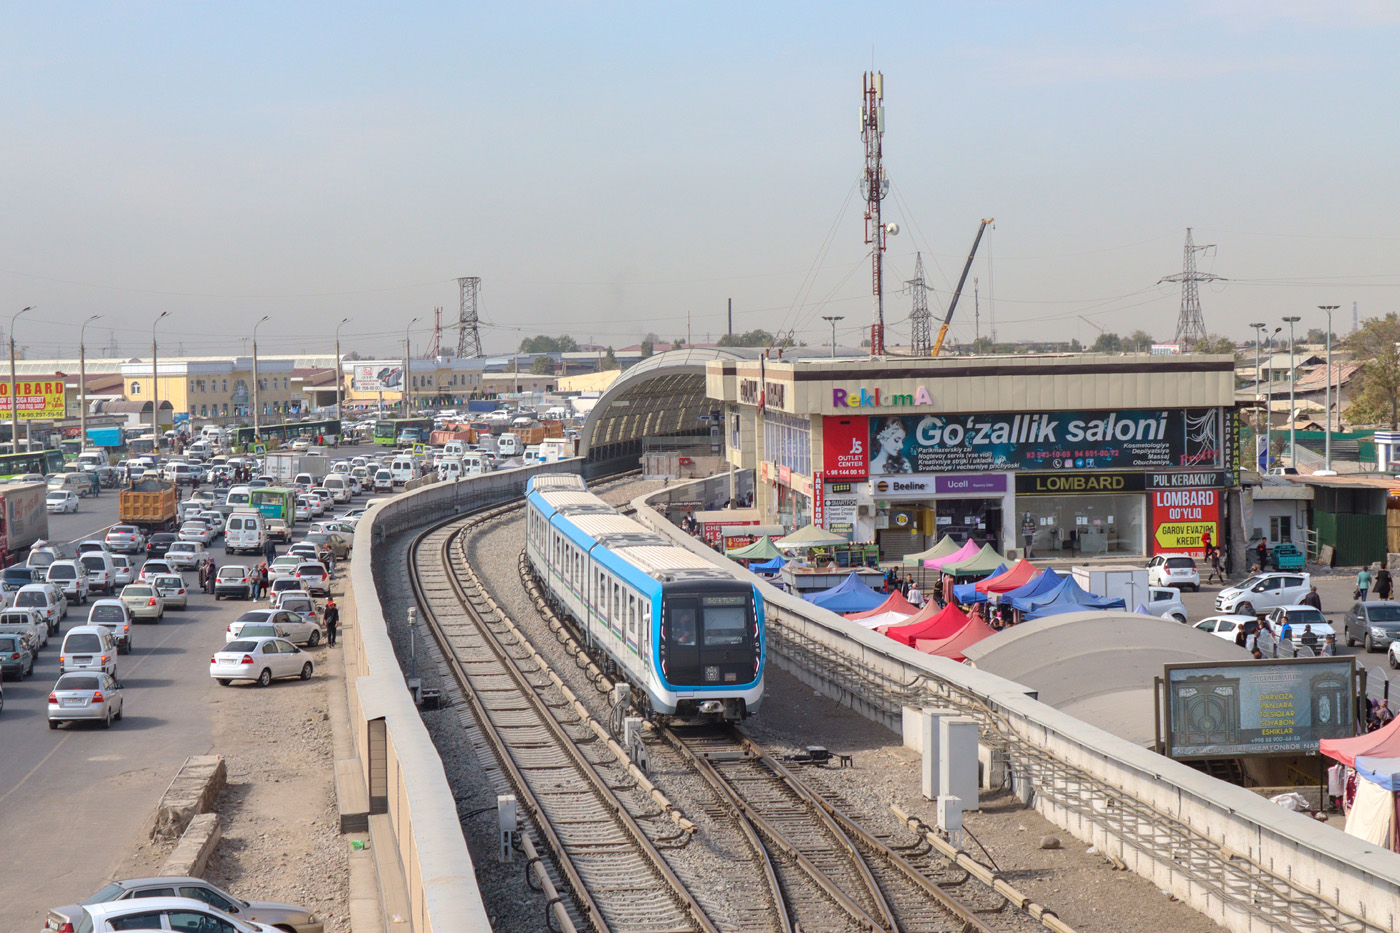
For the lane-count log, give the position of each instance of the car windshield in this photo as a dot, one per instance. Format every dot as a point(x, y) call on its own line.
point(1306, 617)
point(241, 646)
point(255, 615)
point(94, 563)
point(1384, 613)
point(58, 496)
point(182, 546)
point(82, 641)
point(109, 893)
point(137, 591)
point(232, 573)
point(1248, 582)
point(77, 681)
point(62, 572)
point(31, 598)
point(106, 614)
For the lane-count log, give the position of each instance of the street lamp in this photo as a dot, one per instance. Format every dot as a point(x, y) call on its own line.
point(1292, 380)
point(82, 383)
point(1327, 443)
point(408, 372)
point(155, 386)
point(255, 376)
point(832, 319)
point(1269, 405)
point(1258, 339)
point(14, 402)
point(338, 375)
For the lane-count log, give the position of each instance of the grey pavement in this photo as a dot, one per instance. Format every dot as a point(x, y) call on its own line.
point(73, 802)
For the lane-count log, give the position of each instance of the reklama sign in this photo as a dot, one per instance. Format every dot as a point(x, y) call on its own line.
point(1181, 516)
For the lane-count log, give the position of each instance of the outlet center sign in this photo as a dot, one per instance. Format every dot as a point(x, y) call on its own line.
point(1180, 517)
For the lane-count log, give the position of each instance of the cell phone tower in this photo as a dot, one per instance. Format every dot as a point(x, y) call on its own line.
point(872, 131)
point(1190, 323)
point(468, 333)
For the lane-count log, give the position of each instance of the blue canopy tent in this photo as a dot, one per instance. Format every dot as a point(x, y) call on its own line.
point(1069, 594)
point(768, 567)
point(966, 593)
point(1382, 771)
point(1042, 584)
point(850, 595)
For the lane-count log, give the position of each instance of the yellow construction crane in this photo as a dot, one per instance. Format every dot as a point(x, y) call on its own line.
point(952, 305)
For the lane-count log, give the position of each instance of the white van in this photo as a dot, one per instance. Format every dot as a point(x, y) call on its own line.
point(475, 465)
point(237, 497)
point(304, 481)
point(454, 448)
point(449, 469)
point(101, 569)
point(531, 455)
point(88, 648)
point(508, 445)
point(338, 485)
point(556, 414)
point(245, 531)
point(403, 469)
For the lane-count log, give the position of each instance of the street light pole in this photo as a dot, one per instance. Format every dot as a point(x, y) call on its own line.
point(1258, 339)
point(1327, 448)
point(339, 399)
point(82, 384)
point(1269, 406)
point(14, 402)
point(1292, 380)
point(832, 321)
point(256, 401)
point(155, 386)
point(407, 372)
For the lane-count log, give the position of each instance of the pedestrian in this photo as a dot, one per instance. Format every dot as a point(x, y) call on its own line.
point(889, 579)
point(210, 573)
point(1308, 638)
point(1216, 572)
point(1383, 583)
point(1329, 646)
point(1263, 555)
point(1285, 633)
point(203, 570)
point(269, 551)
point(259, 581)
point(916, 596)
point(331, 616)
point(1257, 654)
point(1205, 543)
point(330, 561)
point(1312, 599)
point(1383, 714)
point(1363, 583)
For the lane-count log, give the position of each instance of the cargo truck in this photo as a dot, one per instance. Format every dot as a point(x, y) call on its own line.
point(149, 504)
point(23, 518)
point(284, 465)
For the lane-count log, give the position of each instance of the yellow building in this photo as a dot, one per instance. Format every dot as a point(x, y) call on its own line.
point(215, 388)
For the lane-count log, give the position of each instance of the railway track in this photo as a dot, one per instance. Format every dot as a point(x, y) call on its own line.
point(617, 878)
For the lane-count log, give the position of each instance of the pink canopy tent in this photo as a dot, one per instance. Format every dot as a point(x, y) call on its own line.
point(945, 622)
point(1021, 573)
point(894, 611)
point(963, 553)
point(952, 647)
point(1383, 743)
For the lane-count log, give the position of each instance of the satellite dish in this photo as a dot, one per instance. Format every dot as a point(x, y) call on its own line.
point(892, 229)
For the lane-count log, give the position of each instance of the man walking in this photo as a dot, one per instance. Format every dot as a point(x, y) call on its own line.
point(332, 620)
point(269, 551)
point(1312, 599)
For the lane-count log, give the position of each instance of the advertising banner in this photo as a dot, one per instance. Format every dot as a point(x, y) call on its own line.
point(1158, 439)
point(377, 376)
point(818, 500)
point(839, 503)
point(845, 447)
point(41, 400)
point(1282, 707)
point(1181, 516)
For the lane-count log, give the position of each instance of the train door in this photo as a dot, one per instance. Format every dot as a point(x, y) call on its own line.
point(681, 631)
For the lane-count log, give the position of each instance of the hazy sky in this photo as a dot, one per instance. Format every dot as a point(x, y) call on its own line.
point(607, 168)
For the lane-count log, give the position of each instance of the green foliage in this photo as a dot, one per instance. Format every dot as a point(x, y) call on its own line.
point(649, 343)
point(754, 338)
point(545, 344)
point(542, 366)
point(610, 360)
point(1378, 399)
point(1107, 342)
point(1214, 343)
point(982, 345)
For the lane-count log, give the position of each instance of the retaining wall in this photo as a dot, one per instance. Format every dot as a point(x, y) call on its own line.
point(396, 755)
point(1247, 863)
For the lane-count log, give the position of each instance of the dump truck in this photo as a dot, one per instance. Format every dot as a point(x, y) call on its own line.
point(23, 518)
point(149, 504)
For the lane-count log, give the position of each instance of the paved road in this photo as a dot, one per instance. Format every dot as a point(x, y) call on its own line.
point(73, 801)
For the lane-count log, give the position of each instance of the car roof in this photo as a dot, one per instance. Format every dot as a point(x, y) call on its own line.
point(88, 630)
point(143, 904)
point(106, 602)
point(1296, 606)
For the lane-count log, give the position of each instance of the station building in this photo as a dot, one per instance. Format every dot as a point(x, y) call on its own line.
point(1083, 455)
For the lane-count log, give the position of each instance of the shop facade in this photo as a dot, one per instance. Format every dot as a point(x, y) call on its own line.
point(1064, 456)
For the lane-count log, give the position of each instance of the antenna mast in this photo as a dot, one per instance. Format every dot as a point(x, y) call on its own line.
point(468, 334)
point(872, 130)
point(1190, 323)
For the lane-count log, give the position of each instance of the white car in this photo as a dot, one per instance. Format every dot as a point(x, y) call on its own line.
point(113, 615)
point(1307, 625)
point(1165, 601)
point(171, 587)
point(314, 578)
point(59, 502)
point(197, 530)
point(125, 539)
point(298, 627)
point(259, 659)
point(1262, 592)
point(283, 566)
point(186, 555)
point(214, 518)
point(303, 509)
point(71, 577)
point(125, 572)
point(1175, 570)
point(1225, 627)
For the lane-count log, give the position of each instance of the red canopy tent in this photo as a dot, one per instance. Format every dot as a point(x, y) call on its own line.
point(896, 603)
point(1383, 743)
point(943, 623)
point(1021, 573)
point(952, 647)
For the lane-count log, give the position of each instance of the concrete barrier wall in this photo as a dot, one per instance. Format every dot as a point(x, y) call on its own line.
point(1247, 863)
point(441, 879)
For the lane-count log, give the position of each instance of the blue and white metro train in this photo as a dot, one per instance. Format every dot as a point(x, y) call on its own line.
point(688, 636)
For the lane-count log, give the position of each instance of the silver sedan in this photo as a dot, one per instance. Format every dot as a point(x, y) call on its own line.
point(89, 695)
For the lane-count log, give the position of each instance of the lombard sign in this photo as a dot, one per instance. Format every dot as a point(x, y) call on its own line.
point(1160, 439)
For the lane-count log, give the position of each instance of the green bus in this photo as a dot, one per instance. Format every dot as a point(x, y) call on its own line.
point(42, 462)
point(387, 430)
point(286, 433)
point(275, 502)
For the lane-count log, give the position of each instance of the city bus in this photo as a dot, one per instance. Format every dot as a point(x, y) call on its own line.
point(387, 430)
point(284, 434)
point(42, 462)
point(275, 502)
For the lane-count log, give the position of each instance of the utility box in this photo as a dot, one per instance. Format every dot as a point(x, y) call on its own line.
point(957, 760)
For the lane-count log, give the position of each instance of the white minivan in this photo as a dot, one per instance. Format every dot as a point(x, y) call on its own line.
point(237, 497)
point(475, 465)
point(338, 485)
point(508, 445)
point(246, 531)
point(449, 469)
point(454, 448)
point(403, 469)
point(101, 570)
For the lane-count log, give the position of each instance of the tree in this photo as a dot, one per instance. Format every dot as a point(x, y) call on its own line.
point(545, 344)
point(754, 338)
point(1378, 398)
point(610, 360)
point(982, 345)
point(649, 345)
point(1139, 342)
point(1318, 335)
point(1075, 346)
point(1214, 344)
point(542, 366)
point(1107, 342)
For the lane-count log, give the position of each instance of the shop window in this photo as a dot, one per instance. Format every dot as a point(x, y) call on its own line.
point(1089, 525)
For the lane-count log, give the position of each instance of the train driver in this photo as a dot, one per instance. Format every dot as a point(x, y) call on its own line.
point(685, 627)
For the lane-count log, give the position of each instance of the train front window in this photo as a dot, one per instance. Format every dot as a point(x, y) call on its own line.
point(726, 621)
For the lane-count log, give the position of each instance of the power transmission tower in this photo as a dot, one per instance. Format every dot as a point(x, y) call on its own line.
point(1190, 324)
point(468, 333)
point(920, 319)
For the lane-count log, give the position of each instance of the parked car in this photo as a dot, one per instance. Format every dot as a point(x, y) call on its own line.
point(160, 543)
point(1165, 601)
point(171, 587)
point(1227, 626)
point(186, 555)
point(113, 615)
point(72, 577)
point(60, 502)
point(314, 578)
point(288, 624)
point(1286, 556)
point(298, 617)
point(233, 580)
point(85, 697)
point(88, 648)
point(1173, 570)
point(334, 541)
point(1374, 623)
point(1264, 591)
point(1308, 626)
point(162, 913)
point(259, 659)
point(284, 565)
point(144, 601)
point(16, 657)
point(41, 598)
point(280, 916)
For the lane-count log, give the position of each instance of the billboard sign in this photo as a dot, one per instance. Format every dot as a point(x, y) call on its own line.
point(377, 376)
point(1181, 516)
point(845, 447)
point(839, 504)
point(1281, 707)
point(39, 400)
point(1156, 439)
